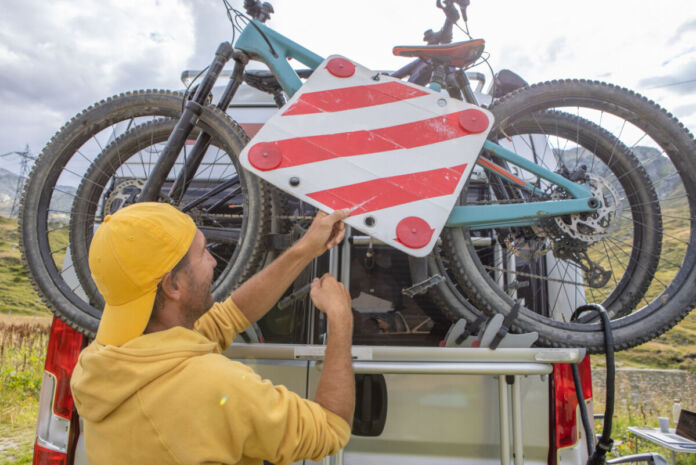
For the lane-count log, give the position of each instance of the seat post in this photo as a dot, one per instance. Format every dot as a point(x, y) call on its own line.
point(439, 76)
point(465, 86)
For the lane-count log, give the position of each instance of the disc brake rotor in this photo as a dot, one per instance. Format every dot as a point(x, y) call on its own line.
point(592, 226)
point(574, 234)
point(125, 193)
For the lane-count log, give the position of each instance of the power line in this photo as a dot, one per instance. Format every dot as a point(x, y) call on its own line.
point(671, 84)
point(25, 156)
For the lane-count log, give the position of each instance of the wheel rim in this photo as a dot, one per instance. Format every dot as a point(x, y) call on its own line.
point(52, 187)
point(659, 141)
point(660, 285)
point(118, 175)
point(559, 264)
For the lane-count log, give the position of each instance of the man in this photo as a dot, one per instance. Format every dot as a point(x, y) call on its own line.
point(154, 388)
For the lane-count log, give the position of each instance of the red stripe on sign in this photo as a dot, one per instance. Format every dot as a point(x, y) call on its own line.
point(312, 149)
point(350, 98)
point(382, 193)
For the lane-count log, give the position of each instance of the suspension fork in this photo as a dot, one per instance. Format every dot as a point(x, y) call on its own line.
point(193, 161)
point(192, 110)
point(462, 81)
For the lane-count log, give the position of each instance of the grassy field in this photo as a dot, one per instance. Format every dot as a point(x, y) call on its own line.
point(625, 444)
point(641, 396)
point(22, 352)
point(24, 326)
point(676, 349)
point(17, 296)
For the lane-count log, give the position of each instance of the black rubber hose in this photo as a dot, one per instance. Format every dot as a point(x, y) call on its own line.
point(605, 443)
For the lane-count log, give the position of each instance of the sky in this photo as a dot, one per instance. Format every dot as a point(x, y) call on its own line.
point(59, 56)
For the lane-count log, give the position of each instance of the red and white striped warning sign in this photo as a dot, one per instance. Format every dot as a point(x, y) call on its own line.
point(394, 153)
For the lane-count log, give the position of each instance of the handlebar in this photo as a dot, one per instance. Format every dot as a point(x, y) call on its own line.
point(444, 35)
point(262, 12)
point(463, 4)
point(259, 11)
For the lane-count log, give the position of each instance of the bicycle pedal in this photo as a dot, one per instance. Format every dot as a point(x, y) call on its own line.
point(423, 286)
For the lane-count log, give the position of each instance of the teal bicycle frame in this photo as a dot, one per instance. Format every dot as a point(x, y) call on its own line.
point(266, 45)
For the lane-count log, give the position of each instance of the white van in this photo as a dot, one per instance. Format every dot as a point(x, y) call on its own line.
point(417, 402)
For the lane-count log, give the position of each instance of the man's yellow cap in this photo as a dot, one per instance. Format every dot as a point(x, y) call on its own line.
point(130, 253)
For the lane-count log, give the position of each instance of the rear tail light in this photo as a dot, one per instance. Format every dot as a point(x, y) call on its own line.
point(43, 456)
point(56, 402)
point(566, 402)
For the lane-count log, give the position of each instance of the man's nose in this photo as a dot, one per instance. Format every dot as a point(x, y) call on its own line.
point(212, 259)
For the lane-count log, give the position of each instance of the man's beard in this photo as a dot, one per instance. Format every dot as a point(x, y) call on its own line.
point(200, 301)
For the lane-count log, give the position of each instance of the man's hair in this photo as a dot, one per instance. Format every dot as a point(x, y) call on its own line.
point(159, 297)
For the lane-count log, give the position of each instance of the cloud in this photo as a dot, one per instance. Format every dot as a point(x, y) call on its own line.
point(685, 110)
point(556, 50)
point(58, 57)
point(31, 123)
point(683, 29)
point(212, 27)
point(681, 82)
point(681, 54)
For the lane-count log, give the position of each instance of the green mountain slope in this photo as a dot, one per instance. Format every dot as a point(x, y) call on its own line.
point(17, 295)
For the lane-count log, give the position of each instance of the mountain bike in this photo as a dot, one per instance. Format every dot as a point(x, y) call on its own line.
point(582, 188)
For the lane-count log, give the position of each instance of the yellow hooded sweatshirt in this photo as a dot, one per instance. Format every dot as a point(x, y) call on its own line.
point(172, 397)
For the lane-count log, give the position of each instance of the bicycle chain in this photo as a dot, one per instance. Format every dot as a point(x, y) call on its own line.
point(280, 217)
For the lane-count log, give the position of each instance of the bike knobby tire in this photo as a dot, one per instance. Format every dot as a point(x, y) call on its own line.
point(644, 248)
point(87, 171)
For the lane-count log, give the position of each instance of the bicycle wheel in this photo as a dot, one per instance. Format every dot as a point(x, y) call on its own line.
point(118, 174)
point(49, 234)
point(635, 257)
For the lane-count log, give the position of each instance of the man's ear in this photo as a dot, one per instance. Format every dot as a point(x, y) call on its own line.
point(171, 287)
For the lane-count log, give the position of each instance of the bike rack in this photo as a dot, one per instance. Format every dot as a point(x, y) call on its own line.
point(506, 364)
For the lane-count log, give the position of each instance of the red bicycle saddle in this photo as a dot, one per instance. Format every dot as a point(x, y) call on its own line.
point(458, 54)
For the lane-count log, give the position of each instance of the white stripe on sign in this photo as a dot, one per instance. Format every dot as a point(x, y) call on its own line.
point(365, 167)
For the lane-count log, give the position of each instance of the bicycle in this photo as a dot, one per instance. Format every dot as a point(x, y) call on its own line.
point(583, 170)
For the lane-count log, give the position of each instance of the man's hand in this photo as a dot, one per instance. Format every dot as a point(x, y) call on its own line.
point(325, 232)
point(336, 388)
point(332, 298)
point(258, 294)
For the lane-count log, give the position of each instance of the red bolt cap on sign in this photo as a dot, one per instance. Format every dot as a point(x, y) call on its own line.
point(265, 156)
point(474, 121)
point(414, 232)
point(340, 67)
